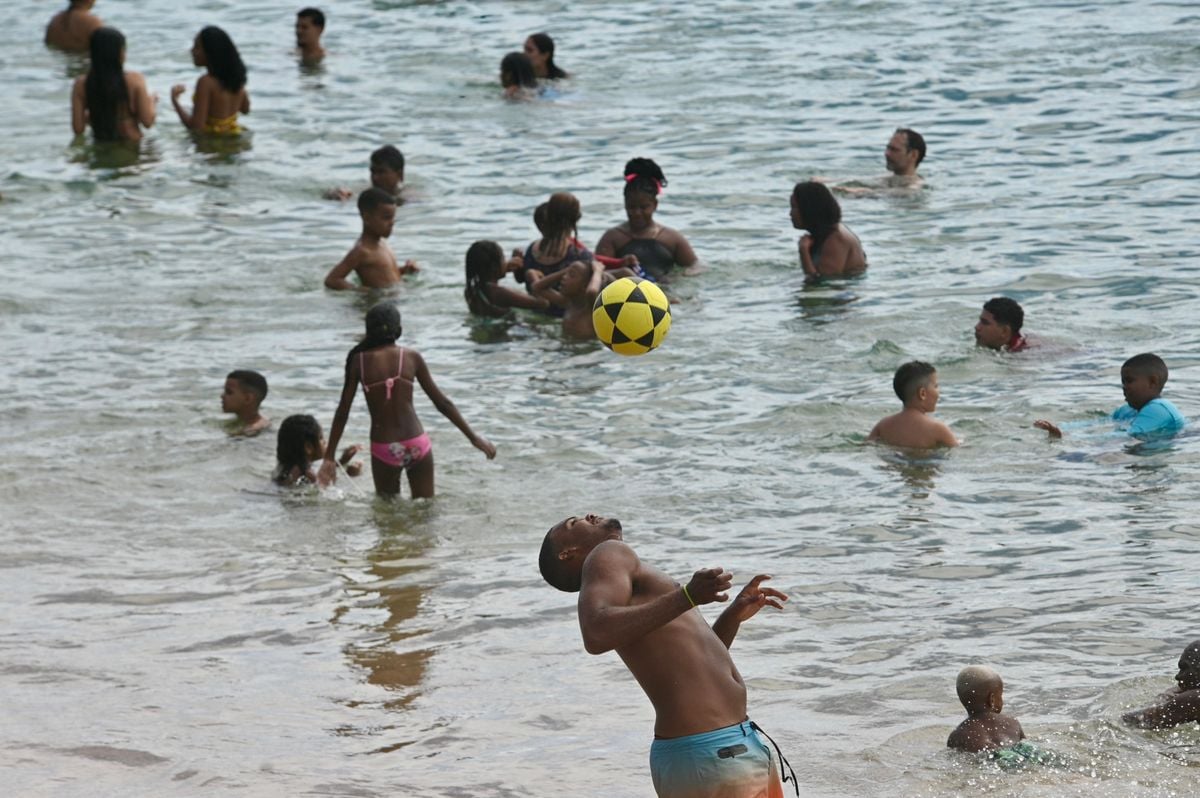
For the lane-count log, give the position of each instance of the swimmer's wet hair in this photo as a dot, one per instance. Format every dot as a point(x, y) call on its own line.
point(915, 142)
point(644, 176)
point(517, 70)
point(562, 215)
point(818, 208)
point(545, 44)
point(1147, 364)
point(485, 263)
point(224, 61)
point(910, 378)
point(104, 88)
point(1006, 311)
point(295, 434)
point(314, 14)
point(552, 568)
point(372, 198)
point(250, 380)
point(389, 156)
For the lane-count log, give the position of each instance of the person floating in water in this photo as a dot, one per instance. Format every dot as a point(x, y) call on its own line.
point(310, 24)
point(115, 103)
point(386, 172)
point(72, 29)
point(371, 258)
point(1145, 414)
point(828, 248)
point(1180, 704)
point(999, 325)
point(916, 383)
point(517, 77)
point(658, 248)
point(399, 443)
point(243, 395)
point(301, 443)
point(221, 92)
point(539, 49)
point(704, 742)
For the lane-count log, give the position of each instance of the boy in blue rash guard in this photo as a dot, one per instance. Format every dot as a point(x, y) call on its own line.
point(1145, 414)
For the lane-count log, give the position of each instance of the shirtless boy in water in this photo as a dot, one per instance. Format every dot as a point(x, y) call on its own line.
point(1180, 704)
point(243, 395)
point(986, 728)
point(371, 257)
point(917, 386)
point(72, 29)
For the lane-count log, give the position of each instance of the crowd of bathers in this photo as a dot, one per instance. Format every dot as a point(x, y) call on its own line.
point(558, 275)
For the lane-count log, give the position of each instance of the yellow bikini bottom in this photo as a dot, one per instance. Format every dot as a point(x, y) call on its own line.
point(223, 127)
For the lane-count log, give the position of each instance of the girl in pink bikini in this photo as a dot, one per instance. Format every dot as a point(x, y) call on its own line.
point(398, 441)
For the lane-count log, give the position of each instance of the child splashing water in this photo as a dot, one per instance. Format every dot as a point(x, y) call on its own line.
point(300, 444)
point(398, 441)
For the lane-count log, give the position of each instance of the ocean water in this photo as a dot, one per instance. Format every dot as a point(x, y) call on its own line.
point(174, 625)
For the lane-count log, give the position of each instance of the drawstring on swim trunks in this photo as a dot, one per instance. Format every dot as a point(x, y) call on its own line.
point(782, 759)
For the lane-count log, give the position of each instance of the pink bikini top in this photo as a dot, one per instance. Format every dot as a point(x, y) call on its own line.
point(389, 382)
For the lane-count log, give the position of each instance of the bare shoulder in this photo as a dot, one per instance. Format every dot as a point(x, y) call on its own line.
point(611, 556)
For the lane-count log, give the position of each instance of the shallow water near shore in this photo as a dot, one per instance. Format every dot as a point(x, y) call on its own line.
point(173, 624)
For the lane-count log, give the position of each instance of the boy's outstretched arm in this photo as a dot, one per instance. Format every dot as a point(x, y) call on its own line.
point(336, 279)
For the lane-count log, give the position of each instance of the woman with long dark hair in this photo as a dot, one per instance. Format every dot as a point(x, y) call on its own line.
point(540, 49)
point(828, 248)
point(114, 102)
point(220, 93)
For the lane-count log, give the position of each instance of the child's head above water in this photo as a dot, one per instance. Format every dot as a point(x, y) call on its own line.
point(1142, 379)
point(916, 384)
point(378, 211)
point(244, 392)
point(516, 71)
point(387, 169)
point(485, 262)
point(299, 444)
point(575, 279)
point(980, 690)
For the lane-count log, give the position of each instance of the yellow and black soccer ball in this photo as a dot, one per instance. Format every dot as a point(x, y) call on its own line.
point(631, 317)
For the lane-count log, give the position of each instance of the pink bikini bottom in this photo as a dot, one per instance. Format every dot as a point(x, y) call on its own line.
point(402, 454)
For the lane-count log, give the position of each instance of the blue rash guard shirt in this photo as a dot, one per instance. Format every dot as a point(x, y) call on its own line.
point(1158, 418)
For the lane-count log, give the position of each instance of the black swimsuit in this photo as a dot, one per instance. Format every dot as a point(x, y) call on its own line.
point(651, 253)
